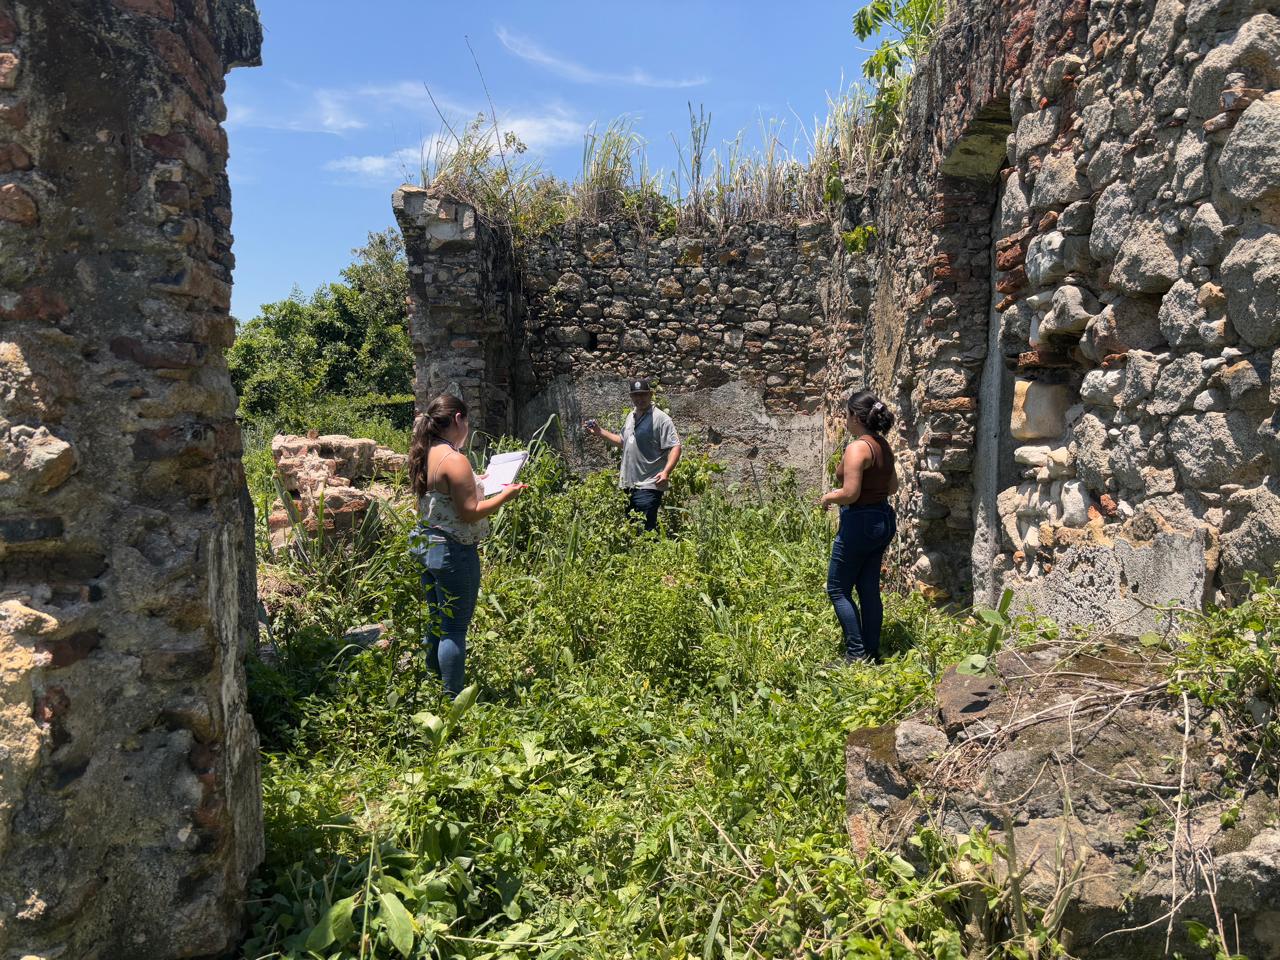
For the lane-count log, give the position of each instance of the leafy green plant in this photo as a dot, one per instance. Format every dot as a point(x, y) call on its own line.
point(859, 239)
point(653, 762)
point(345, 347)
point(1227, 659)
point(906, 29)
point(999, 624)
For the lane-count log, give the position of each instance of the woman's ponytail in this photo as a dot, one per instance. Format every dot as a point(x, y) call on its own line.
point(872, 412)
point(429, 428)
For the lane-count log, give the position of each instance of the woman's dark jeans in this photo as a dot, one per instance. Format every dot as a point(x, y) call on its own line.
point(452, 581)
point(856, 554)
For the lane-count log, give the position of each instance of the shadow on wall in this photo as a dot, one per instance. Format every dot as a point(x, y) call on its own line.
point(729, 422)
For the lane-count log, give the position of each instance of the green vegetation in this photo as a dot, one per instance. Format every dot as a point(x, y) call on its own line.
point(342, 353)
point(1229, 661)
point(906, 30)
point(650, 762)
point(653, 766)
point(711, 187)
point(859, 239)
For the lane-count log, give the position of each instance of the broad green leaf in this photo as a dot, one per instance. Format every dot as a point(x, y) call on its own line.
point(429, 720)
point(463, 702)
point(335, 925)
point(398, 922)
point(901, 867)
point(973, 665)
point(1198, 933)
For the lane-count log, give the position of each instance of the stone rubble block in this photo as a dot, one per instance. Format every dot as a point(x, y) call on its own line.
point(977, 759)
point(1039, 409)
point(1251, 280)
point(1250, 161)
point(1146, 263)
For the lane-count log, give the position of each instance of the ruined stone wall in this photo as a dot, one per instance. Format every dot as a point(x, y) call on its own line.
point(461, 293)
point(1071, 301)
point(1103, 420)
point(130, 809)
point(731, 327)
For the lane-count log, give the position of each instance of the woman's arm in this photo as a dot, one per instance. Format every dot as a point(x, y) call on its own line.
point(852, 464)
point(466, 497)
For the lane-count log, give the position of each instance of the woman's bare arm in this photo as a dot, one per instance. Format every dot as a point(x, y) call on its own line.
point(855, 459)
point(466, 496)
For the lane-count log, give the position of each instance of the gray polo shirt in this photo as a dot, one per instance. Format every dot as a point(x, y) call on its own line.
point(645, 445)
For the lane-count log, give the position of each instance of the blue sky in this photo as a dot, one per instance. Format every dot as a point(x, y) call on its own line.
point(328, 126)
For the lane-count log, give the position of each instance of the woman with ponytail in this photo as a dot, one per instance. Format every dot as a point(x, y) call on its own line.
point(867, 479)
point(452, 520)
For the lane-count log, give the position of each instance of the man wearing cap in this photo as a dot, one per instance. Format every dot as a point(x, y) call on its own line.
point(650, 451)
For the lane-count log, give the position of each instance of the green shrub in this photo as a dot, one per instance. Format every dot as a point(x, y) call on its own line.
point(346, 344)
point(655, 764)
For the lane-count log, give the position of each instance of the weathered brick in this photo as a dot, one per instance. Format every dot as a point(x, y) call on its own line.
point(159, 354)
point(13, 158)
point(9, 64)
point(1011, 256)
point(65, 651)
point(173, 193)
point(14, 115)
point(190, 440)
point(1012, 281)
point(24, 529)
point(176, 55)
point(18, 206)
point(36, 303)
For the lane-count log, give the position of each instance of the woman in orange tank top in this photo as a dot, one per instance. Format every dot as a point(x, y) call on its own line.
point(867, 479)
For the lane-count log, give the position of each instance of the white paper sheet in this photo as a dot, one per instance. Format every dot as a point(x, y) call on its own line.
point(503, 469)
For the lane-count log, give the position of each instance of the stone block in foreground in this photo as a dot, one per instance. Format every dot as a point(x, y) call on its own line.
point(1080, 750)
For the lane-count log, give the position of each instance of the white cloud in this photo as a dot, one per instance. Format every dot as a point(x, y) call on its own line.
point(555, 127)
point(320, 111)
point(377, 167)
point(542, 130)
point(335, 112)
point(528, 50)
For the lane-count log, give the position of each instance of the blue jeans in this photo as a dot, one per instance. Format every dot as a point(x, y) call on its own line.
point(452, 580)
point(856, 554)
point(645, 502)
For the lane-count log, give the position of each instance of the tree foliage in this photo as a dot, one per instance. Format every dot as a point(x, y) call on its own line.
point(346, 340)
point(906, 29)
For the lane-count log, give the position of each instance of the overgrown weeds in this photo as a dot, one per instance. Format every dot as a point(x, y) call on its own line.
point(710, 188)
point(654, 764)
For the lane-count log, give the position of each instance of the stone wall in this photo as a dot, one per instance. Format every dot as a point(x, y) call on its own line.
point(733, 328)
point(460, 306)
point(1099, 422)
point(1072, 302)
point(130, 810)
